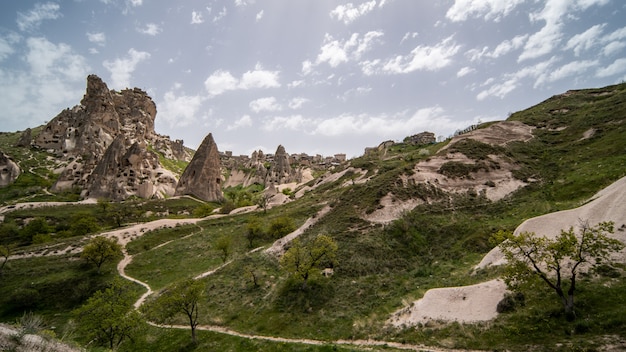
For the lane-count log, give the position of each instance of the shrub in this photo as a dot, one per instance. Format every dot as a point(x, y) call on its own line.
point(280, 227)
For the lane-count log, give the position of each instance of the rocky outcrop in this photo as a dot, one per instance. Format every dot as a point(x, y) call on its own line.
point(25, 139)
point(421, 138)
point(280, 170)
point(82, 136)
point(9, 170)
point(125, 171)
point(203, 177)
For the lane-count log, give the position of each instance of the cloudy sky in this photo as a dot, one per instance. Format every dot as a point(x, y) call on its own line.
point(317, 76)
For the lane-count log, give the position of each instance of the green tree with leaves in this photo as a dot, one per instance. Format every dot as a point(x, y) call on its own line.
point(254, 231)
point(224, 246)
point(280, 227)
point(36, 226)
point(556, 262)
point(108, 316)
point(100, 250)
point(181, 298)
point(83, 224)
point(302, 261)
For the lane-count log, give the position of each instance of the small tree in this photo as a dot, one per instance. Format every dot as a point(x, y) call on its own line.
point(280, 227)
point(182, 297)
point(224, 244)
point(556, 262)
point(263, 201)
point(100, 250)
point(301, 261)
point(108, 316)
point(254, 231)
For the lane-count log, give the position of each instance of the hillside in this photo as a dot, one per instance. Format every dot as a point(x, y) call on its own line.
point(406, 219)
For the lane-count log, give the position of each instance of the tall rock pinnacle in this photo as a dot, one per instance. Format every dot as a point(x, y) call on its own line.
point(203, 178)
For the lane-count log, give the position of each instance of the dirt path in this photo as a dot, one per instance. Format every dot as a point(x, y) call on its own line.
point(355, 343)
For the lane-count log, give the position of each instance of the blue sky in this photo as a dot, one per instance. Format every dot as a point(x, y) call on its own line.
point(316, 76)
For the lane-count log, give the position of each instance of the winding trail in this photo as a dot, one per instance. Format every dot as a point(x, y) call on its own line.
point(127, 234)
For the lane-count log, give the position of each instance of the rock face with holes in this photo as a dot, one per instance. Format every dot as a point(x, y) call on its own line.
point(9, 170)
point(109, 147)
point(203, 177)
point(280, 171)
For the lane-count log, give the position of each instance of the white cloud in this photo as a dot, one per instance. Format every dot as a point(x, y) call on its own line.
point(297, 103)
point(265, 104)
point(122, 68)
point(508, 45)
point(384, 125)
point(46, 58)
point(542, 42)
point(32, 19)
point(196, 17)
point(613, 48)
point(409, 35)
point(511, 81)
point(465, 71)
point(293, 122)
point(259, 78)
point(495, 10)
point(617, 67)
point(570, 69)
point(586, 40)
point(429, 58)
point(97, 38)
point(221, 81)
point(244, 121)
point(243, 3)
point(335, 52)
point(614, 42)
point(549, 37)
point(307, 67)
point(54, 78)
point(349, 13)
point(6, 46)
point(150, 29)
point(259, 15)
point(220, 15)
point(179, 110)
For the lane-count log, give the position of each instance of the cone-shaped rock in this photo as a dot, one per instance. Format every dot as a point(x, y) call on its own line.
point(203, 178)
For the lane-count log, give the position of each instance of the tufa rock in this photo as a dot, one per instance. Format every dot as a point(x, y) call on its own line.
point(123, 172)
point(202, 178)
point(81, 137)
point(25, 139)
point(9, 170)
point(280, 171)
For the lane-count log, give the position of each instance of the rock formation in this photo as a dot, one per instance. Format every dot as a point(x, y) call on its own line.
point(203, 176)
point(25, 139)
point(280, 170)
point(9, 170)
point(83, 135)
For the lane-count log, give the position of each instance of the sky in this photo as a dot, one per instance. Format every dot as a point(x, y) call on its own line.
point(317, 76)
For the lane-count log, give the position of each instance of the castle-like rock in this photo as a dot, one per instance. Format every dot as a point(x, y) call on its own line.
point(109, 146)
